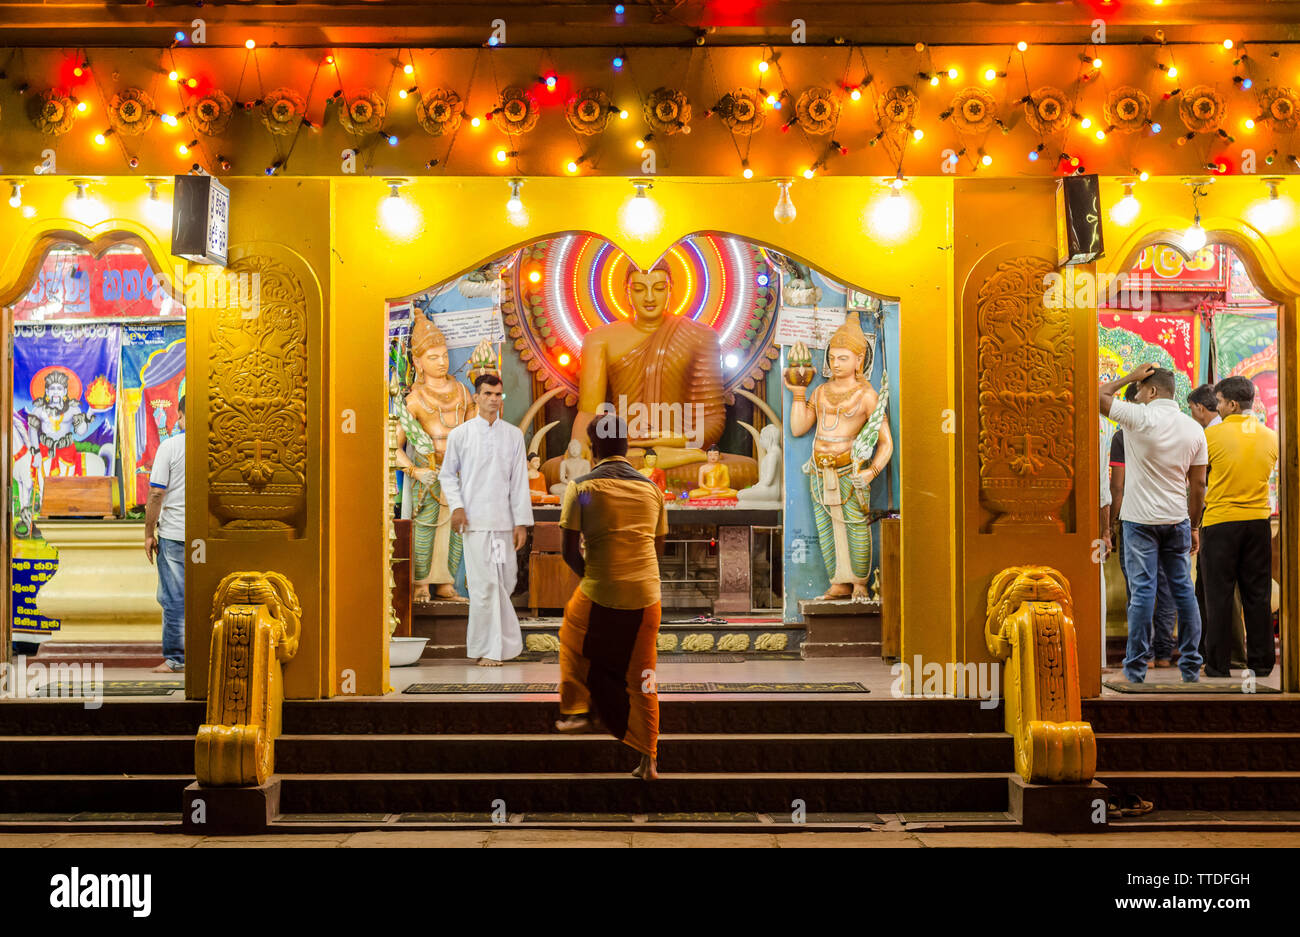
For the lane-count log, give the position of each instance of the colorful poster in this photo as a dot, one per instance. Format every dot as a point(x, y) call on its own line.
point(1171, 340)
point(1168, 270)
point(34, 562)
point(153, 380)
point(73, 284)
point(65, 399)
point(1246, 345)
point(1241, 289)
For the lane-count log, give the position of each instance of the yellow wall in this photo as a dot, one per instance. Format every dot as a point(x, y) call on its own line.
point(328, 232)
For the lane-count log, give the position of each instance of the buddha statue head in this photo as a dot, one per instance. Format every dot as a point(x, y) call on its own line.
point(847, 349)
point(650, 459)
point(575, 449)
point(715, 454)
point(429, 348)
point(648, 291)
point(534, 461)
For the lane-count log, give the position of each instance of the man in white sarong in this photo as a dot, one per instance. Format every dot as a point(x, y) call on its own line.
point(484, 478)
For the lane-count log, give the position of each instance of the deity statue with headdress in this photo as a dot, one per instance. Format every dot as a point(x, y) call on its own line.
point(436, 404)
point(851, 448)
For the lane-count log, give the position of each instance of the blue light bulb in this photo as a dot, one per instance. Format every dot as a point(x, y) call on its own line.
point(762, 279)
point(1155, 128)
point(618, 9)
point(392, 139)
point(1246, 83)
point(492, 40)
point(618, 61)
point(1033, 156)
point(180, 36)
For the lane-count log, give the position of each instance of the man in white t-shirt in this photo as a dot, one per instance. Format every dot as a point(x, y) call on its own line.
point(1164, 496)
point(164, 537)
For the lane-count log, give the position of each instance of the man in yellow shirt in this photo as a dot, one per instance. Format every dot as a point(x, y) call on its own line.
point(1236, 534)
point(611, 624)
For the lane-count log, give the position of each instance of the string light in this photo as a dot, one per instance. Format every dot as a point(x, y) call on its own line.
point(250, 44)
point(476, 122)
point(1227, 43)
point(173, 75)
point(990, 74)
point(184, 148)
point(746, 171)
point(953, 74)
point(408, 69)
point(809, 173)
point(1022, 45)
point(392, 139)
point(571, 166)
point(855, 94)
point(918, 134)
point(618, 61)
point(82, 106)
point(564, 359)
point(404, 93)
point(1096, 63)
point(1101, 134)
point(550, 82)
point(762, 66)
point(622, 115)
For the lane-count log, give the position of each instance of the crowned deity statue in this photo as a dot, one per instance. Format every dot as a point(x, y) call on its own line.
point(665, 369)
point(436, 404)
point(851, 448)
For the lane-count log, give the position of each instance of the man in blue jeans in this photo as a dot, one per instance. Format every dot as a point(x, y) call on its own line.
point(164, 537)
point(1164, 496)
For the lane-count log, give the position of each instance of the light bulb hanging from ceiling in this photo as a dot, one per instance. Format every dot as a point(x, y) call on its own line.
point(784, 212)
point(1125, 211)
point(515, 204)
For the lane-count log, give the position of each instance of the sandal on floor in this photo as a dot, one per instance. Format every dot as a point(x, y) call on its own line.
point(1135, 806)
point(1113, 809)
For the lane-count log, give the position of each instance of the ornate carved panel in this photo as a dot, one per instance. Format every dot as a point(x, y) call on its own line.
point(1026, 398)
point(257, 407)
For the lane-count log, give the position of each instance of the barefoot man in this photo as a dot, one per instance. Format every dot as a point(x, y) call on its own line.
point(485, 479)
point(611, 624)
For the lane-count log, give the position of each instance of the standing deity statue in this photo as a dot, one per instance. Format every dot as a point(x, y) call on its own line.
point(851, 448)
point(59, 421)
point(436, 404)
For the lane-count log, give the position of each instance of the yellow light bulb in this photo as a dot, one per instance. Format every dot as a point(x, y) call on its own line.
point(990, 74)
point(1096, 63)
point(622, 115)
point(402, 94)
point(250, 44)
point(808, 173)
point(1144, 176)
point(182, 149)
point(572, 167)
point(172, 76)
point(934, 81)
point(855, 94)
point(747, 173)
point(534, 277)
point(1101, 134)
point(408, 69)
point(918, 134)
point(501, 156)
point(1227, 43)
point(1086, 123)
point(762, 66)
point(100, 139)
point(476, 121)
point(1173, 71)
point(986, 160)
point(564, 359)
point(1250, 123)
point(1022, 45)
point(952, 74)
point(81, 107)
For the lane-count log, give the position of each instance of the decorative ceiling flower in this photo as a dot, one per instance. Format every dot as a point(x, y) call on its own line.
point(440, 111)
point(131, 112)
point(817, 110)
point(364, 114)
point(588, 112)
point(973, 110)
point(53, 112)
point(741, 111)
point(1202, 109)
point(1047, 110)
point(1280, 107)
point(667, 111)
point(897, 108)
point(282, 111)
point(210, 114)
point(517, 112)
point(1127, 109)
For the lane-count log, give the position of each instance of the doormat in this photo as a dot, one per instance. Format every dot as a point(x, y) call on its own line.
point(707, 687)
point(112, 688)
point(1123, 686)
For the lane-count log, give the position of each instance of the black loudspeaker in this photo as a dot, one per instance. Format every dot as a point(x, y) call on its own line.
point(1078, 220)
point(200, 220)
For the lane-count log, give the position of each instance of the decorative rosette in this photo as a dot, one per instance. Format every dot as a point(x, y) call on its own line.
point(210, 114)
point(282, 111)
point(440, 111)
point(973, 110)
point(1202, 109)
point(517, 112)
point(1047, 110)
point(897, 109)
point(817, 111)
point(131, 112)
point(363, 115)
point(742, 111)
point(668, 111)
point(53, 112)
point(1280, 107)
point(1127, 109)
point(588, 111)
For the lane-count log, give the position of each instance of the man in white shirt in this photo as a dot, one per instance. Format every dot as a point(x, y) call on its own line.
point(1165, 454)
point(484, 478)
point(164, 537)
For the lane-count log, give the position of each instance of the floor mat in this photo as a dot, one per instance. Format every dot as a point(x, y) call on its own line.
point(707, 687)
point(1204, 686)
point(111, 688)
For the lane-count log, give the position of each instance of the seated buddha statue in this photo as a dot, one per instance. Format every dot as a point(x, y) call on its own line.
point(714, 480)
point(537, 492)
point(662, 372)
point(651, 470)
point(573, 466)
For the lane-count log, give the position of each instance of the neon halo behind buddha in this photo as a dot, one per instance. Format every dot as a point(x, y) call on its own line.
point(664, 368)
point(714, 480)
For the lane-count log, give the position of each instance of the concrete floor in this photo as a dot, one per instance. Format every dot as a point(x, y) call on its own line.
point(499, 839)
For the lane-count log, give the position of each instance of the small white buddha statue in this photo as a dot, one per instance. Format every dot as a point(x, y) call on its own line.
point(573, 466)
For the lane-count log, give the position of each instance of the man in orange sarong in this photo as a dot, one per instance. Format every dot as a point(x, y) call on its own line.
point(611, 624)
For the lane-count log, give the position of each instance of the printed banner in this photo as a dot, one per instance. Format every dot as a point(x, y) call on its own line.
point(34, 562)
point(72, 284)
point(1168, 270)
point(811, 325)
point(65, 401)
point(1171, 340)
point(153, 381)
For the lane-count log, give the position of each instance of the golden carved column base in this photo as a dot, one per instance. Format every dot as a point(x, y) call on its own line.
point(255, 629)
point(1030, 625)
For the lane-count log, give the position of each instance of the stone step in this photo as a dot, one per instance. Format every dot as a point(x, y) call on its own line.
point(1209, 790)
point(621, 793)
point(108, 653)
point(1192, 751)
point(1228, 714)
point(394, 754)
